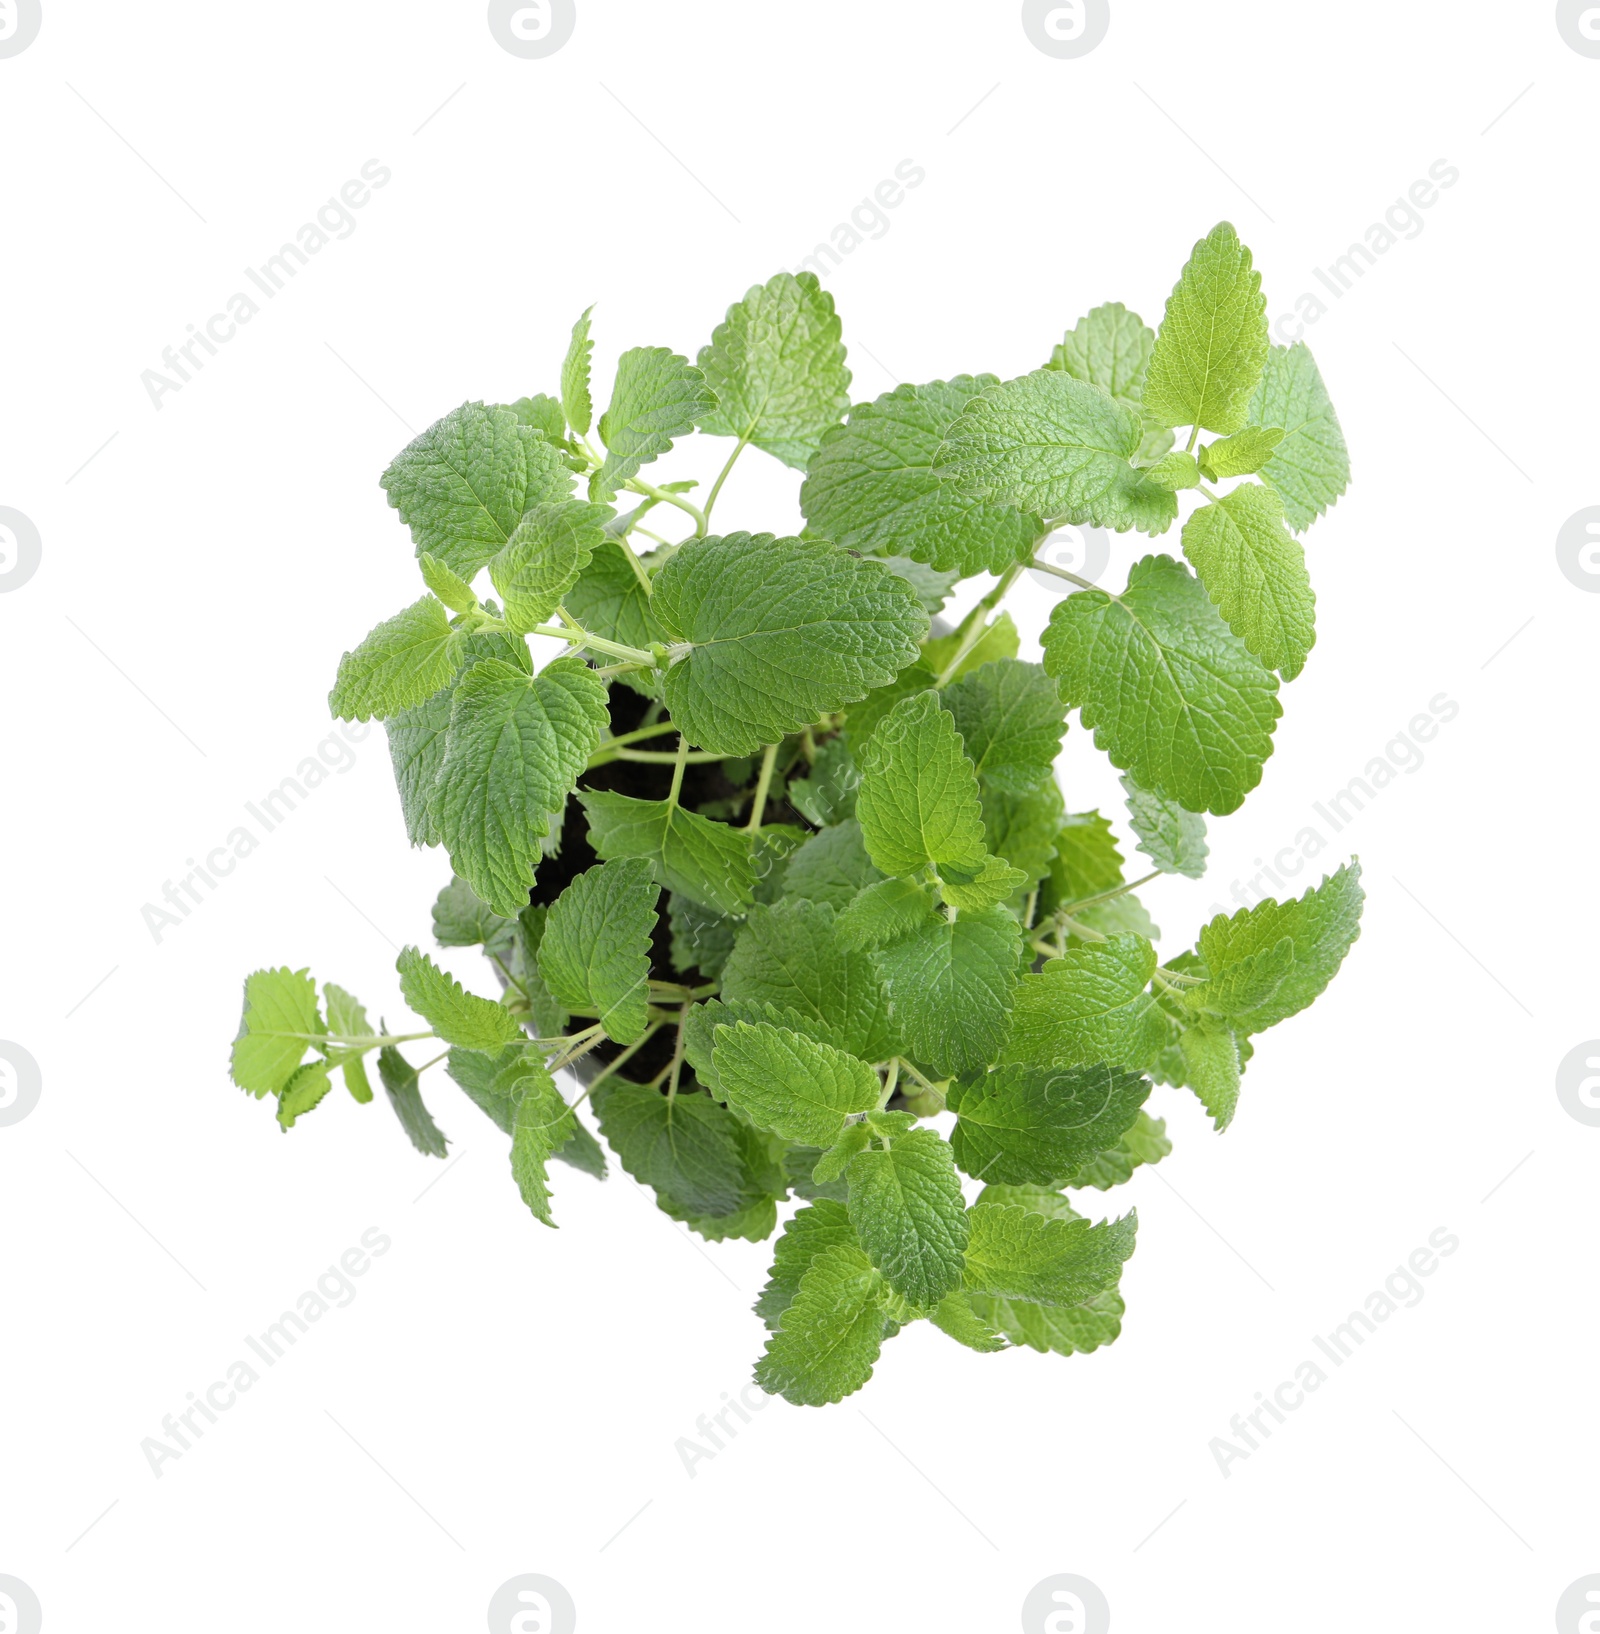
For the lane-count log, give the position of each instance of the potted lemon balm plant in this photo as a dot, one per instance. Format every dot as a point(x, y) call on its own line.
point(781, 870)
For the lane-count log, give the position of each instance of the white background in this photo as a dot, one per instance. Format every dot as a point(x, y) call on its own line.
point(503, 1399)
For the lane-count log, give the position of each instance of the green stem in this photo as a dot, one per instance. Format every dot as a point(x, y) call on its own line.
point(930, 1087)
point(891, 1078)
point(677, 1059)
point(758, 806)
point(511, 981)
point(639, 486)
point(360, 1041)
point(580, 637)
point(433, 1063)
point(633, 561)
point(1062, 573)
point(676, 992)
point(722, 477)
point(1179, 978)
point(1194, 437)
point(680, 760)
point(637, 735)
point(621, 1061)
point(663, 758)
point(1108, 896)
point(596, 1037)
point(974, 625)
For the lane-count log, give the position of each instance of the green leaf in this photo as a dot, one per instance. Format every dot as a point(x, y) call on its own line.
point(702, 938)
point(872, 487)
point(399, 1079)
point(954, 1315)
point(951, 986)
point(776, 366)
point(832, 867)
point(304, 1091)
point(1036, 1198)
point(1021, 828)
point(1213, 342)
point(909, 1215)
point(417, 740)
point(1087, 859)
point(454, 592)
point(582, 1151)
point(461, 920)
point(1051, 444)
point(347, 1018)
point(1062, 1330)
point(885, 912)
point(778, 632)
point(1322, 924)
point(541, 561)
point(1171, 694)
point(543, 1121)
point(417, 736)
point(788, 1083)
point(402, 663)
point(595, 952)
point(687, 1149)
point(830, 1335)
point(1172, 838)
point(813, 1230)
point(1246, 451)
point(496, 1084)
point(830, 1167)
point(827, 794)
point(1089, 1006)
point(1311, 466)
point(545, 1018)
point(516, 746)
point(1211, 1066)
point(1011, 718)
point(753, 1224)
point(1110, 348)
point(1013, 1253)
point(493, 1082)
point(463, 485)
point(544, 414)
point(1145, 1142)
point(457, 1016)
point(791, 955)
point(996, 881)
point(1255, 572)
point(772, 845)
point(918, 800)
point(1030, 1125)
point(1245, 984)
point(657, 398)
point(1176, 470)
point(690, 854)
point(280, 1019)
point(575, 400)
point(701, 1023)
